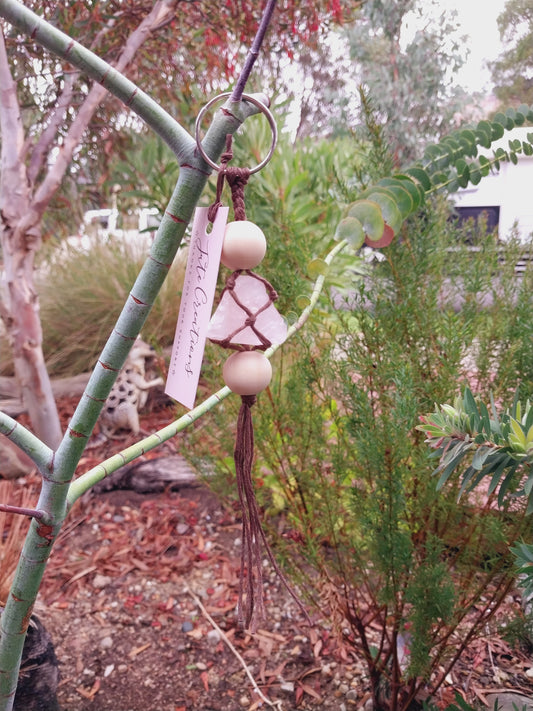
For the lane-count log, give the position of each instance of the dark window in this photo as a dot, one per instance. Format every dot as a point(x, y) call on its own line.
point(491, 214)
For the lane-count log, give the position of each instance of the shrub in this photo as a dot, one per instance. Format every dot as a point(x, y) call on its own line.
point(407, 575)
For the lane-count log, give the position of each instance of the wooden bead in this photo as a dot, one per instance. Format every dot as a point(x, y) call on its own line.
point(244, 245)
point(247, 372)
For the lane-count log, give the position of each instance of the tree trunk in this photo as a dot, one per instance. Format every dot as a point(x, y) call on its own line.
point(24, 332)
point(22, 205)
point(20, 312)
point(20, 306)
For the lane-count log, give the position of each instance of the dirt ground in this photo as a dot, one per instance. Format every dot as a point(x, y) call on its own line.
point(140, 597)
point(128, 578)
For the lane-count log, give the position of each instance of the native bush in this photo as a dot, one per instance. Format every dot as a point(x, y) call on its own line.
point(344, 476)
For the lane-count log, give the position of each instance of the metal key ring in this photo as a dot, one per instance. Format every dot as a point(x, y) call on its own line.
point(263, 109)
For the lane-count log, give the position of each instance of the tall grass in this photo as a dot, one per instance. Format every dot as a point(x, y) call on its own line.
point(81, 294)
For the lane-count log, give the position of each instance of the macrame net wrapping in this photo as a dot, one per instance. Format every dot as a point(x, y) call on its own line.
point(245, 317)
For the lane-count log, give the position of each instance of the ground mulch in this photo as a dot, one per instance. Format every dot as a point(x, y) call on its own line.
point(140, 599)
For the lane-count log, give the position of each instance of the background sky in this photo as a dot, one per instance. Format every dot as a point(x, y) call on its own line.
point(477, 19)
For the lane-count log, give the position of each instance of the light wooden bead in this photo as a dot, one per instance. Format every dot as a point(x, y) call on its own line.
point(247, 372)
point(244, 245)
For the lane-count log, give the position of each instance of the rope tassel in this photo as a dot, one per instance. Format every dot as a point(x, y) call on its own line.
point(251, 607)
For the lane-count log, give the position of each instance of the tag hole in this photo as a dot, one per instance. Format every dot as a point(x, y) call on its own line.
point(209, 228)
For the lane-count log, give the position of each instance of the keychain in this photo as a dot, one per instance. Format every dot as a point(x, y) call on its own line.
point(247, 322)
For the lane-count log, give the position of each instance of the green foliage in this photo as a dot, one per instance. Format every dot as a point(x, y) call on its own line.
point(451, 164)
point(431, 595)
point(386, 205)
point(410, 82)
point(511, 72)
point(524, 560)
point(343, 473)
point(499, 446)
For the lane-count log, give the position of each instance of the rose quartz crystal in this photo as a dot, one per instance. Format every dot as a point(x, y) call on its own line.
point(229, 316)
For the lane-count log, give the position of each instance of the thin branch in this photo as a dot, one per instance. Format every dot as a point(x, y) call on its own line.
point(10, 117)
point(93, 99)
point(254, 50)
point(174, 135)
point(26, 441)
point(47, 137)
point(276, 704)
point(33, 513)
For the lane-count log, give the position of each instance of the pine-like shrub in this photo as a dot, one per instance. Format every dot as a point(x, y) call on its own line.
point(406, 574)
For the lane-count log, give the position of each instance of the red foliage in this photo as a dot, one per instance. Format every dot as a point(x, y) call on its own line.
point(193, 39)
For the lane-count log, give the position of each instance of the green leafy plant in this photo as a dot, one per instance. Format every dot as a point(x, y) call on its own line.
point(393, 564)
point(448, 165)
point(497, 444)
point(498, 448)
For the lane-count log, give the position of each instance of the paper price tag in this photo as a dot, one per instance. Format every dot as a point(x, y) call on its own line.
point(196, 306)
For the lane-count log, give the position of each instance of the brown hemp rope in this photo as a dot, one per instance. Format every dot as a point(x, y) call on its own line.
point(250, 315)
point(251, 606)
point(251, 610)
point(224, 160)
point(237, 179)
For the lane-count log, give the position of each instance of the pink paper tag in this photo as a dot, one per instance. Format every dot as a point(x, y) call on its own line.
point(196, 305)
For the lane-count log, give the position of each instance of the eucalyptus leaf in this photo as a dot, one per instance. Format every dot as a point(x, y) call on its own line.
point(389, 210)
point(351, 229)
point(483, 139)
point(403, 199)
point(317, 267)
point(406, 184)
point(497, 131)
point(484, 165)
point(414, 187)
point(475, 176)
point(510, 113)
point(369, 215)
point(420, 175)
point(302, 302)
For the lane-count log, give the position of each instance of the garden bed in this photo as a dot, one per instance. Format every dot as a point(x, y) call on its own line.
point(133, 582)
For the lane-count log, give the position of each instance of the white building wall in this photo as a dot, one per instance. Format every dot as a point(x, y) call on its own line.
point(511, 189)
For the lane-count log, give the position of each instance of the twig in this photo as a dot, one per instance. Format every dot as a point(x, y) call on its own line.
point(37, 451)
point(34, 513)
point(272, 704)
point(254, 50)
point(489, 649)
